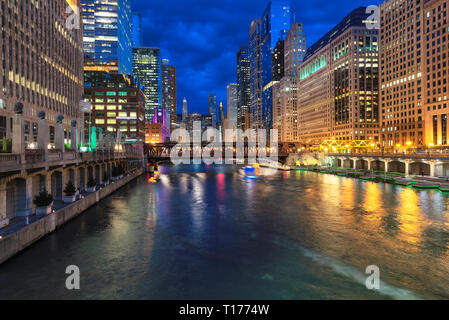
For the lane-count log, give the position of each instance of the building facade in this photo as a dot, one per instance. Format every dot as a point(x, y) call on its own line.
point(285, 109)
point(232, 104)
point(339, 84)
point(243, 86)
point(147, 67)
point(107, 32)
point(169, 92)
point(137, 30)
point(212, 106)
point(277, 62)
point(295, 47)
point(41, 67)
point(118, 105)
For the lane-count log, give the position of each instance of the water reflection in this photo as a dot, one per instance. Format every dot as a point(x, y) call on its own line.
point(296, 235)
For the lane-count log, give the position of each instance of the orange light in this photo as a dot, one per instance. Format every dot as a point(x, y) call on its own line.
point(398, 145)
point(409, 143)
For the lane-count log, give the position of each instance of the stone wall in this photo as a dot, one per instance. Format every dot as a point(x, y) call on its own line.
point(16, 242)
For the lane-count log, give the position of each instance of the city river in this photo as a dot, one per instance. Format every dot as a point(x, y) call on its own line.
point(210, 233)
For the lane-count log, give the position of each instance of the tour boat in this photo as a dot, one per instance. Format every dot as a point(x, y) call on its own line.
point(445, 190)
point(426, 187)
point(404, 183)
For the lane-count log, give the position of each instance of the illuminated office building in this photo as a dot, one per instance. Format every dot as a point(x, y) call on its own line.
point(338, 93)
point(212, 106)
point(147, 67)
point(285, 109)
point(137, 30)
point(107, 32)
point(243, 86)
point(264, 35)
point(118, 104)
point(41, 66)
point(232, 105)
point(169, 93)
point(295, 47)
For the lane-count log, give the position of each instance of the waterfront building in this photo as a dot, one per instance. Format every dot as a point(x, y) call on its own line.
point(243, 86)
point(436, 72)
point(212, 106)
point(118, 105)
point(338, 91)
point(156, 133)
point(264, 35)
point(107, 35)
point(285, 109)
point(169, 92)
point(414, 60)
point(147, 67)
point(232, 104)
point(42, 74)
point(295, 47)
point(137, 30)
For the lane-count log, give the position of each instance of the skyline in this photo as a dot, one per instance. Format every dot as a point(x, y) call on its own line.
point(203, 44)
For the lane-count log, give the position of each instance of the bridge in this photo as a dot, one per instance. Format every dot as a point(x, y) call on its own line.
point(161, 152)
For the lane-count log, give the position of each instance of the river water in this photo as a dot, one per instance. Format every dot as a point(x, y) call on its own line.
point(207, 232)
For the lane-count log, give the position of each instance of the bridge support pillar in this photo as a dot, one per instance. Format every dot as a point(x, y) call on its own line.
point(369, 161)
point(432, 168)
point(3, 220)
point(386, 165)
point(407, 167)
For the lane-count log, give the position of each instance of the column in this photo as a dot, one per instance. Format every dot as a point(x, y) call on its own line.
point(74, 133)
point(59, 134)
point(354, 163)
point(43, 135)
point(369, 164)
point(28, 207)
point(432, 168)
point(407, 167)
point(18, 130)
point(3, 220)
point(386, 165)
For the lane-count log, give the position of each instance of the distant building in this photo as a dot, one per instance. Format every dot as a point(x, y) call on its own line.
point(169, 94)
point(147, 66)
point(156, 133)
point(212, 106)
point(295, 47)
point(185, 110)
point(232, 104)
point(285, 109)
point(107, 34)
point(137, 30)
point(243, 86)
point(118, 105)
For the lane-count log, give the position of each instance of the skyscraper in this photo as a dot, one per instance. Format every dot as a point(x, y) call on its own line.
point(232, 104)
point(243, 86)
point(264, 35)
point(147, 67)
point(137, 30)
point(295, 47)
point(212, 105)
point(169, 94)
point(185, 110)
point(107, 31)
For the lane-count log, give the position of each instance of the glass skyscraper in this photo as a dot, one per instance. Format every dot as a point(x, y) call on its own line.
point(107, 35)
point(137, 30)
point(243, 86)
point(272, 27)
point(212, 105)
point(147, 67)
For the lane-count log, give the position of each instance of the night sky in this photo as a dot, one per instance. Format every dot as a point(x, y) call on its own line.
point(201, 37)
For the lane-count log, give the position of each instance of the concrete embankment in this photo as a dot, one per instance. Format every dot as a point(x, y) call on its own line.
point(23, 238)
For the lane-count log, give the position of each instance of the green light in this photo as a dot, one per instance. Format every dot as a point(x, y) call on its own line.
point(93, 138)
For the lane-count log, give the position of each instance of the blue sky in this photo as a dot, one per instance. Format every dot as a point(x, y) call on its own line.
point(202, 37)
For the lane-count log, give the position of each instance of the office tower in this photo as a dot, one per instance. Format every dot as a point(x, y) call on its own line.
point(338, 91)
point(295, 47)
point(169, 94)
point(118, 104)
point(41, 66)
point(137, 30)
point(243, 86)
point(212, 105)
point(232, 105)
point(147, 67)
point(277, 62)
point(221, 113)
point(436, 57)
point(264, 35)
point(107, 31)
point(414, 74)
point(185, 110)
point(285, 109)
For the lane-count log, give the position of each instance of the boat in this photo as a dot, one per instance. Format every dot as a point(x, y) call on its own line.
point(368, 178)
point(426, 187)
point(403, 183)
point(249, 169)
point(445, 190)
